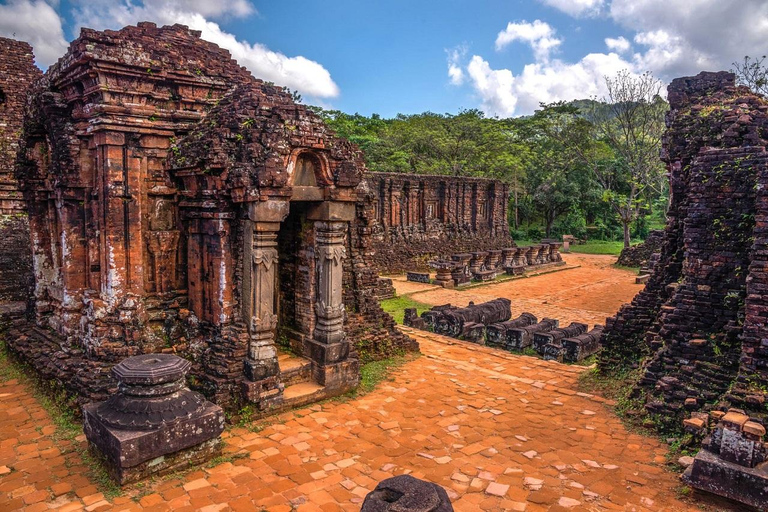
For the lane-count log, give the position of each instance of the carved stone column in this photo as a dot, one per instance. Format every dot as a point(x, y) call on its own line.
point(262, 356)
point(329, 348)
point(262, 385)
point(330, 253)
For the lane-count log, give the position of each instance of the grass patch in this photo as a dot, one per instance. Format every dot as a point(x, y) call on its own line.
point(634, 270)
point(396, 307)
point(376, 372)
point(598, 247)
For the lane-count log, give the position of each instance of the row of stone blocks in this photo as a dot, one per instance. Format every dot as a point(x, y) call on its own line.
point(490, 324)
point(461, 269)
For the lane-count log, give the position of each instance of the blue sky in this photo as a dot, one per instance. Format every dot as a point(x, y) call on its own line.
point(398, 56)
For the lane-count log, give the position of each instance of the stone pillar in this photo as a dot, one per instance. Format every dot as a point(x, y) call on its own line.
point(329, 348)
point(262, 356)
point(554, 252)
point(262, 371)
point(330, 253)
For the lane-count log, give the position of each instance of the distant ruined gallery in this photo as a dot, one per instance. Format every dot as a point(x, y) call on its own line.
point(177, 204)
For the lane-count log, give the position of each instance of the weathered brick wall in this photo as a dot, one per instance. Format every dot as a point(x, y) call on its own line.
point(638, 255)
point(688, 328)
point(419, 217)
point(17, 73)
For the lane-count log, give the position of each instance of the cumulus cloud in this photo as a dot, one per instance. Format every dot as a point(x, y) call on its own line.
point(539, 35)
point(504, 94)
point(455, 72)
point(669, 39)
point(36, 22)
point(618, 44)
point(683, 38)
point(577, 8)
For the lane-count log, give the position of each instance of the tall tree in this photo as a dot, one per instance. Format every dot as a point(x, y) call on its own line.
point(752, 72)
point(630, 121)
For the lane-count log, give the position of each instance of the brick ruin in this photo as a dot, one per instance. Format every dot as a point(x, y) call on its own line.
point(697, 332)
point(419, 217)
point(179, 205)
point(17, 73)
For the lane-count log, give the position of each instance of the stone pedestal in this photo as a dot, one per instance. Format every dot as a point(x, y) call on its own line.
point(531, 253)
point(154, 424)
point(554, 252)
point(494, 260)
point(461, 274)
point(478, 261)
point(405, 493)
point(507, 257)
point(732, 461)
point(444, 271)
point(543, 255)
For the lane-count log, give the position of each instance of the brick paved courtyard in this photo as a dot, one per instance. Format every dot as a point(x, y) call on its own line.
point(498, 431)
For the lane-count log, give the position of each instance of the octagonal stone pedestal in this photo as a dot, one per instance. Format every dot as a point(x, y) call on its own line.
point(154, 424)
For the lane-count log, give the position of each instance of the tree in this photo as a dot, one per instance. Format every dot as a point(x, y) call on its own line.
point(630, 121)
point(753, 73)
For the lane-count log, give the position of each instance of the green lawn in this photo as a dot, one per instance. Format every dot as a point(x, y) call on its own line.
point(598, 247)
point(396, 307)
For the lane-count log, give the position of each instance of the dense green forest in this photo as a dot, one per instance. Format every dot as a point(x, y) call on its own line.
point(588, 168)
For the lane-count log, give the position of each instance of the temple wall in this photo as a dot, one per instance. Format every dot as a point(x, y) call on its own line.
point(697, 330)
point(419, 217)
point(17, 72)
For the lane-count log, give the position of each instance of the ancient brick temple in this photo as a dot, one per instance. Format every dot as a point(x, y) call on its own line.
point(177, 204)
point(17, 73)
point(698, 329)
point(418, 217)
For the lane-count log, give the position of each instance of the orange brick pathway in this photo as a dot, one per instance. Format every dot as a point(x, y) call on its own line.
point(590, 293)
point(500, 432)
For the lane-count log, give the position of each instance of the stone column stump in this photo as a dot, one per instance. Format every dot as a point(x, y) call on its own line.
point(154, 423)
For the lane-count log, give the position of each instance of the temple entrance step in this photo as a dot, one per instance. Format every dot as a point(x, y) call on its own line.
point(294, 369)
point(303, 393)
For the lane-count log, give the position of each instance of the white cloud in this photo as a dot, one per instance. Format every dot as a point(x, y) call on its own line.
point(685, 37)
point(540, 35)
point(37, 23)
point(618, 44)
point(577, 8)
point(455, 72)
point(504, 94)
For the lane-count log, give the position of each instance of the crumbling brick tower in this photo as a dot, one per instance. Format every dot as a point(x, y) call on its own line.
point(17, 72)
point(698, 329)
point(178, 204)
